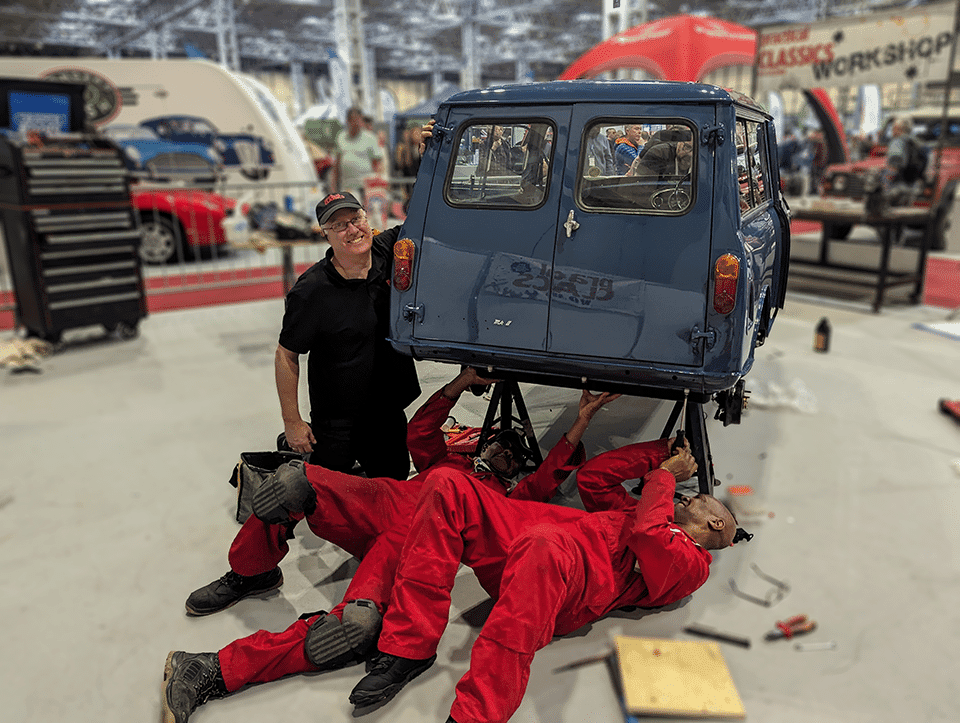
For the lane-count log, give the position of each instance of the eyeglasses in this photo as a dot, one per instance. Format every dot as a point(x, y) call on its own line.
point(341, 226)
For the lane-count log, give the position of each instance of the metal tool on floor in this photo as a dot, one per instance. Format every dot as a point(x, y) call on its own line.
point(774, 595)
point(583, 661)
point(706, 632)
point(791, 627)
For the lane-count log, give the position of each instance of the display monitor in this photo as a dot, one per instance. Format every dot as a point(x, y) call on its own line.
point(48, 107)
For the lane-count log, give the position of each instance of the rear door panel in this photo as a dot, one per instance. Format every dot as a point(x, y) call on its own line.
point(486, 252)
point(631, 285)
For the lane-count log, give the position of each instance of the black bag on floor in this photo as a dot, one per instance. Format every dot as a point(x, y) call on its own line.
point(250, 472)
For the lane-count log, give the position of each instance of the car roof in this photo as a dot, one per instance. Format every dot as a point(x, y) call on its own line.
point(602, 91)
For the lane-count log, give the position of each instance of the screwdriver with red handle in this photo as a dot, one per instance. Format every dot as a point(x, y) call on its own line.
point(797, 625)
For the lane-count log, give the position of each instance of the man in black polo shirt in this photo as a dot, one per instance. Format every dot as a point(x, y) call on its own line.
point(358, 384)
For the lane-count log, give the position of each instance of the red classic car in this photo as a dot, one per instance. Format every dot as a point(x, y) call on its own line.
point(177, 223)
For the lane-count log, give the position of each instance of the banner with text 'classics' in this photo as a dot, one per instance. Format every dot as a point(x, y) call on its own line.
point(904, 47)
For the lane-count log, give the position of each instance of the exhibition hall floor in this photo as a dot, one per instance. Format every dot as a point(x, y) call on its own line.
point(115, 505)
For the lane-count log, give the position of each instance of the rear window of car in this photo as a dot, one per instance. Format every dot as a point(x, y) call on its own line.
point(501, 164)
point(638, 165)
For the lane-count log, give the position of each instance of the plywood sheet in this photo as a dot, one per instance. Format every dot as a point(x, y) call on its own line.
point(676, 678)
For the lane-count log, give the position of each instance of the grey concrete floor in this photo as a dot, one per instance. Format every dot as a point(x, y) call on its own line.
point(114, 506)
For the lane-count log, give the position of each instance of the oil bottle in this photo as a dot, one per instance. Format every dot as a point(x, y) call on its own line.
point(821, 337)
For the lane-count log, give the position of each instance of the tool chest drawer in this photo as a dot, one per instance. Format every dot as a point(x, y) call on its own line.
point(71, 235)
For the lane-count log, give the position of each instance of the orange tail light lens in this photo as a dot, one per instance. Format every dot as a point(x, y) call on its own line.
point(726, 272)
point(403, 253)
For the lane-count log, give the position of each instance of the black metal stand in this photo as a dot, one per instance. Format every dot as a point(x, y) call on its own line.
point(506, 395)
point(695, 427)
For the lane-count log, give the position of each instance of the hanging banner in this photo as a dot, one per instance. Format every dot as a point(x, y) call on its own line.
point(903, 47)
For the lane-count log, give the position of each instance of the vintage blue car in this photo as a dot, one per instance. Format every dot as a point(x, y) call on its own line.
point(147, 154)
point(250, 154)
point(525, 254)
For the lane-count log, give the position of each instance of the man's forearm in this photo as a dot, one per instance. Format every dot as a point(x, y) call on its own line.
point(575, 433)
point(288, 385)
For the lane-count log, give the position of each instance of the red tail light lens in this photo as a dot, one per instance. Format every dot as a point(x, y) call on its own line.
point(403, 253)
point(725, 276)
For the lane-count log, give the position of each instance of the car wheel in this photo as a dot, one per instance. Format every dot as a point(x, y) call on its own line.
point(160, 239)
point(838, 230)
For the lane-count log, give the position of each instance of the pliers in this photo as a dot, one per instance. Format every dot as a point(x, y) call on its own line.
point(797, 625)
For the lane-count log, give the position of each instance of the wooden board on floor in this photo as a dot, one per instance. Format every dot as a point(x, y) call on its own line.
point(675, 678)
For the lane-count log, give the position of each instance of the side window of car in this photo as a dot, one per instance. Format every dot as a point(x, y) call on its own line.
point(637, 165)
point(751, 165)
point(758, 165)
point(501, 164)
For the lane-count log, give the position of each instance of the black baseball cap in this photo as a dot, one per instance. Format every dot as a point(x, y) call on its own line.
point(333, 203)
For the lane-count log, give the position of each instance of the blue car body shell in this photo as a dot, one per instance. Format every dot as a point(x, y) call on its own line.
point(193, 129)
point(589, 279)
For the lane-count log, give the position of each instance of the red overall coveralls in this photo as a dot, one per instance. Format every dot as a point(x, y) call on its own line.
point(368, 518)
point(551, 569)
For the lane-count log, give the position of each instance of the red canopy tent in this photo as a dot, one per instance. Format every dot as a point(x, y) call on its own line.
point(682, 47)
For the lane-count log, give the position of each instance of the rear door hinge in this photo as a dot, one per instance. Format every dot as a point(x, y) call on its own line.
point(413, 312)
point(708, 335)
point(712, 135)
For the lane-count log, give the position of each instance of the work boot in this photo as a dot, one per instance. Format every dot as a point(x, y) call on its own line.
point(189, 680)
point(387, 676)
point(332, 643)
point(287, 491)
point(231, 589)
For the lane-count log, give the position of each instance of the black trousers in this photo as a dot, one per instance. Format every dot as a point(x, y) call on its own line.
point(378, 442)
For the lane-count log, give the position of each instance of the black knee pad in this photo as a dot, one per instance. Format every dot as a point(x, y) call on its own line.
point(286, 491)
point(331, 643)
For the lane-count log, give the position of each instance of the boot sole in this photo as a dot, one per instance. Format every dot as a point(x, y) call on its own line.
point(362, 699)
point(332, 641)
point(195, 613)
point(166, 715)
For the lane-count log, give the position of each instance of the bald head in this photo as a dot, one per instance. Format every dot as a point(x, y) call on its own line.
point(707, 520)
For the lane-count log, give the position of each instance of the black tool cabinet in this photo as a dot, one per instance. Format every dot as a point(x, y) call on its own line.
point(71, 235)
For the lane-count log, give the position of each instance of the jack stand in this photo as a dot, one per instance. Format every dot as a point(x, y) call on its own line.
point(505, 395)
point(696, 429)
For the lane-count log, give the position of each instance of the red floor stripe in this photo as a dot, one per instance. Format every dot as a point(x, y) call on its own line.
point(249, 287)
point(804, 226)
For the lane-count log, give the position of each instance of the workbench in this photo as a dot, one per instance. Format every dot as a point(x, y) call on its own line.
point(889, 226)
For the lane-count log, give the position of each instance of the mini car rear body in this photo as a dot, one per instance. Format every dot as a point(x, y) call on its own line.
point(591, 278)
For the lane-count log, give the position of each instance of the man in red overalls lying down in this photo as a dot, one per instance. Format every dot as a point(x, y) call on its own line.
point(550, 569)
point(368, 518)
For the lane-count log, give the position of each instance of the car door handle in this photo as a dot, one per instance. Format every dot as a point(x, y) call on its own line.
point(571, 225)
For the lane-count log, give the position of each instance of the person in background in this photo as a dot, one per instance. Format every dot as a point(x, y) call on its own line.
point(612, 135)
point(627, 148)
point(494, 153)
point(599, 154)
point(407, 158)
point(358, 155)
point(670, 159)
point(818, 159)
point(902, 164)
